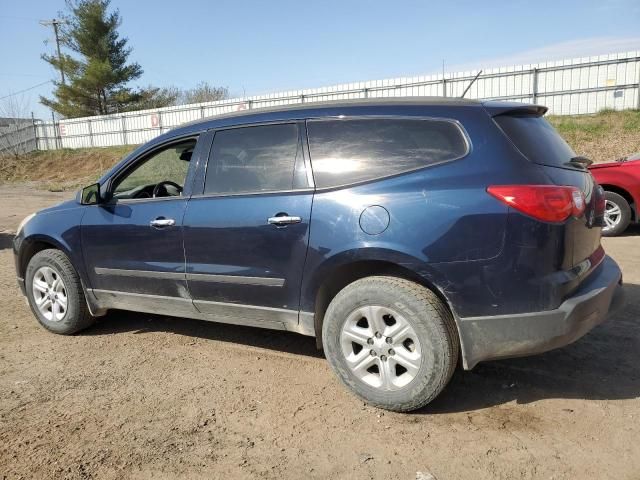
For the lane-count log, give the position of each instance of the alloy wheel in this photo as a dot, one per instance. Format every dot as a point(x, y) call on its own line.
point(50, 294)
point(381, 347)
point(612, 215)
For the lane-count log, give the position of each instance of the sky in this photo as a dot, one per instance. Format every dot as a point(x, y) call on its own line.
point(256, 47)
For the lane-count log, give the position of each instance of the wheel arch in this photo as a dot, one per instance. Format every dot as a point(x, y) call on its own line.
point(36, 243)
point(31, 245)
point(339, 276)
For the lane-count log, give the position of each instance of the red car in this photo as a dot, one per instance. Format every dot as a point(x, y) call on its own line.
point(621, 183)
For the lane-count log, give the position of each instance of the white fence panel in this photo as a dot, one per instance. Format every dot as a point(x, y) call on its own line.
point(567, 87)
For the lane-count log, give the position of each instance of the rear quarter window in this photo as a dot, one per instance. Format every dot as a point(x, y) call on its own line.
point(536, 139)
point(345, 151)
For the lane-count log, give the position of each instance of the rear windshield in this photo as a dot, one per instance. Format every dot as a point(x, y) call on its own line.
point(537, 140)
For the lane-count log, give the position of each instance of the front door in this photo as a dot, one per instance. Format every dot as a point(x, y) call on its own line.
point(132, 244)
point(246, 235)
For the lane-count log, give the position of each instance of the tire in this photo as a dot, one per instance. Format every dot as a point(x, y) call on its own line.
point(616, 223)
point(427, 351)
point(48, 268)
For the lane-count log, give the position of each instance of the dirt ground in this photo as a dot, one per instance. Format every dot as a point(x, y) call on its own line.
point(142, 396)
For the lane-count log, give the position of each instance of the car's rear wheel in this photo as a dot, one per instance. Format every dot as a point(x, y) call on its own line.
point(617, 214)
point(55, 293)
point(391, 341)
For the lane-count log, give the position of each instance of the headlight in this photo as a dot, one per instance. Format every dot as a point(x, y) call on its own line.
point(24, 222)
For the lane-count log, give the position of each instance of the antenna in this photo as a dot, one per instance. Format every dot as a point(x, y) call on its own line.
point(55, 23)
point(469, 86)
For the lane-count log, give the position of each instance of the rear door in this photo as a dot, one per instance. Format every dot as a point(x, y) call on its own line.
point(537, 140)
point(246, 233)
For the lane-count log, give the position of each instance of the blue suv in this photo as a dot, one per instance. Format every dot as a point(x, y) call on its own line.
point(406, 235)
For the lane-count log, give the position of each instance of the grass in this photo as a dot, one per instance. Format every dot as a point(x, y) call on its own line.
point(65, 169)
point(604, 136)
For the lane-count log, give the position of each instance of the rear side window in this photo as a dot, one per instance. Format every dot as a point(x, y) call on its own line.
point(265, 158)
point(536, 139)
point(349, 151)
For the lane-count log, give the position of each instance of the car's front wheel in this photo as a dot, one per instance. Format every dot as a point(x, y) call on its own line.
point(55, 293)
point(617, 214)
point(391, 341)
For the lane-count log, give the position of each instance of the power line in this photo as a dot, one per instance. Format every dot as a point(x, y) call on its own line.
point(12, 17)
point(25, 90)
point(16, 74)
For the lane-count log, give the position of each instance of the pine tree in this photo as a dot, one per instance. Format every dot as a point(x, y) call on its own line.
point(96, 68)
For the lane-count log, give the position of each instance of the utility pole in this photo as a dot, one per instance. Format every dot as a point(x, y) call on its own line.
point(55, 23)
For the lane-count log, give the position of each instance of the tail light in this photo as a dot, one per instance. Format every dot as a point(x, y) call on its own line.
point(549, 203)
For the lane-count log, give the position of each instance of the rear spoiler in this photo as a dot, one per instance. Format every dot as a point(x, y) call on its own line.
point(495, 108)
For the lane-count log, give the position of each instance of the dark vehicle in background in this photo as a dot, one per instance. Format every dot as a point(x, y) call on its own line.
point(406, 235)
point(621, 183)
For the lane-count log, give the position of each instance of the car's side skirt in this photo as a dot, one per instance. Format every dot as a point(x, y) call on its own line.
point(231, 313)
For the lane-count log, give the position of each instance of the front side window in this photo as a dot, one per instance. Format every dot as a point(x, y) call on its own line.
point(348, 151)
point(161, 174)
point(264, 158)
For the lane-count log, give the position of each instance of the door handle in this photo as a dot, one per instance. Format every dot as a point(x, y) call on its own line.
point(283, 220)
point(162, 222)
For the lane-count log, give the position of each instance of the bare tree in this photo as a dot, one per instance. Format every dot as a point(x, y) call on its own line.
point(203, 92)
point(16, 128)
point(158, 97)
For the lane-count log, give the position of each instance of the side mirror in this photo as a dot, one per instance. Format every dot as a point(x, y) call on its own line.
point(90, 195)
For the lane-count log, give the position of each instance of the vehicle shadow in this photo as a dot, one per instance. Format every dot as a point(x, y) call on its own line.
point(118, 321)
point(631, 231)
point(600, 366)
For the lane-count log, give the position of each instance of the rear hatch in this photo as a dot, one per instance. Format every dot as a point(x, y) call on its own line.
point(541, 144)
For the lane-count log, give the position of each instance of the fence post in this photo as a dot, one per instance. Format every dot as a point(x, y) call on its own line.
point(124, 130)
point(50, 136)
point(90, 132)
point(55, 135)
point(53, 130)
point(35, 129)
point(638, 103)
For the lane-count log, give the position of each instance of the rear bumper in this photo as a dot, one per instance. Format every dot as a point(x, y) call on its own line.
point(504, 336)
